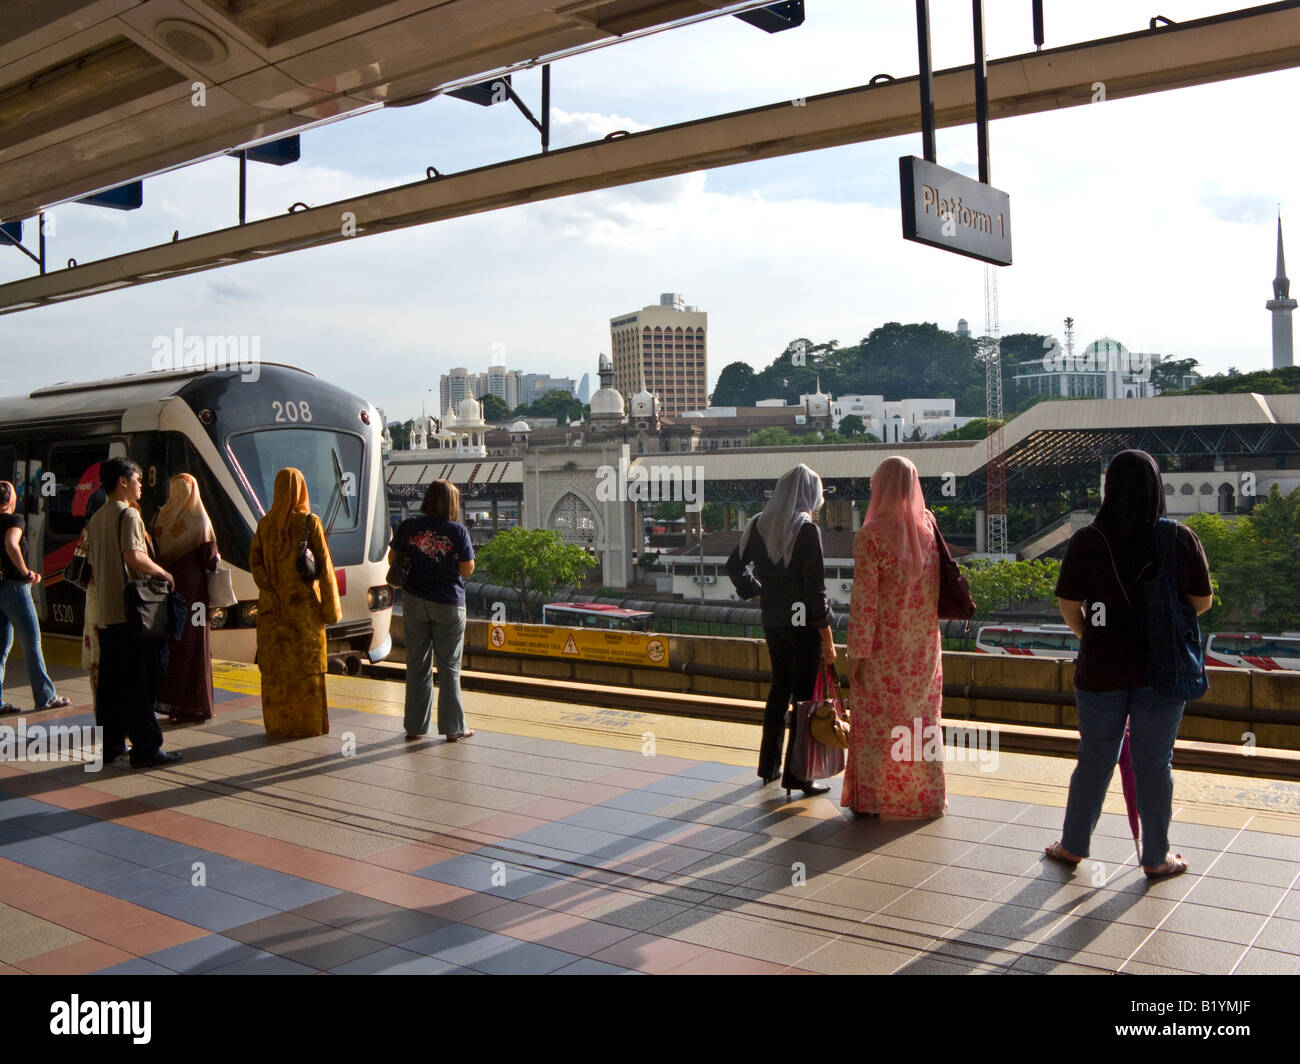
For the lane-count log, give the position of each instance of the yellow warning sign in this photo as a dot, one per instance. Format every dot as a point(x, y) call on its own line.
point(581, 644)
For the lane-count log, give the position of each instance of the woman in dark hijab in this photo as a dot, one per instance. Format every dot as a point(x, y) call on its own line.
point(1100, 595)
point(783, 545)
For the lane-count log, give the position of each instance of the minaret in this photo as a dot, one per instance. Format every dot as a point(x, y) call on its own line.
point(1281, 306)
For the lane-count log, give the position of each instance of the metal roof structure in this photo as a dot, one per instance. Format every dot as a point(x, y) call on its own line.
point(97, 92)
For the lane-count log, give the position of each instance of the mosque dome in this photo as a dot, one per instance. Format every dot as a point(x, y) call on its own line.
point(470, 412)
point(644, 404)
point(607, 402)
point(521, 426)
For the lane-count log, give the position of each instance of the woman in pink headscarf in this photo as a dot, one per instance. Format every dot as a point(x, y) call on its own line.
point(896, 652)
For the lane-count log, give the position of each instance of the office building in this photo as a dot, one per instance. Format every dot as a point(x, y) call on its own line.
point(662, 349)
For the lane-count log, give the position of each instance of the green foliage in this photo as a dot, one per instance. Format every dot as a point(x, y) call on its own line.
point(494, 408)
point(669, 511)
point(1254, 564)
point(1264, 381)
point(996, 586)
point(713, 517)
point(400, 433)
point(977, 429)
point(955, 520)
point(1168, 375)
point(533, 561)
point(736, 386)
point(852, 425)
point(557, 404)
point(775, 436)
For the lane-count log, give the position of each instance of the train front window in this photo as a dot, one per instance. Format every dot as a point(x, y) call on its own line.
point(330, 462)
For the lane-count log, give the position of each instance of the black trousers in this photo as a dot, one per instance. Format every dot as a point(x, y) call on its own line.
point(128, 676)
point(796, 656)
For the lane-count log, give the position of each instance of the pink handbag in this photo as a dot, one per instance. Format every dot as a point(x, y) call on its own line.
point(810, 759)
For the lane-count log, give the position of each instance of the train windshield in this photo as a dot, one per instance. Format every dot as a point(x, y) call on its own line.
point(329, 461)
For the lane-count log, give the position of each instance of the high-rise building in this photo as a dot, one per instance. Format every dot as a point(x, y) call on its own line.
point(454, 387)
point(460, 384)
point(661, 349)
point(584, 389)
point(963, 329)
point(1280, 306)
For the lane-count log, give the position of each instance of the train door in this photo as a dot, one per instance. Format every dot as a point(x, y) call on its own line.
point(64, 495)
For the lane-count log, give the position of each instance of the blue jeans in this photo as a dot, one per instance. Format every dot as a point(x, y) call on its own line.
point(1153, 726)
point(433, 631)
point(17, 614)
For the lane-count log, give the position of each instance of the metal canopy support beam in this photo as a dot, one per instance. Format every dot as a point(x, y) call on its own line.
point(926, 78)
point(1191, 53)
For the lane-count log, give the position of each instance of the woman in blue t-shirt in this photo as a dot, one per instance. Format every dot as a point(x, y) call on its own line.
point(433, 610)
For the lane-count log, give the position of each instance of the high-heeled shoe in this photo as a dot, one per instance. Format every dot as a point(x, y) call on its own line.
point(770, 779)
point(810, 790)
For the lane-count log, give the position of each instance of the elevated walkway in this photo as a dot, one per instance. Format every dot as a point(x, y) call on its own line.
point(550, 842)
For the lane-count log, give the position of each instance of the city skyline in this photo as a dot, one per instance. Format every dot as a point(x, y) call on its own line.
point(1154, 217)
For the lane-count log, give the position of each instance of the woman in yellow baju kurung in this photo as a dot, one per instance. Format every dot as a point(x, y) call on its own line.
point(292, 613)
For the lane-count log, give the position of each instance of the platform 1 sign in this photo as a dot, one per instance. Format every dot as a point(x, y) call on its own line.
point(580, 644)
point(950, 211)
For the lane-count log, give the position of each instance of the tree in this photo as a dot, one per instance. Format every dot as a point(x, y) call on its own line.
point(557, 404)
point(1264, 381)
point(736, 386)
point(774, 436)
point(533, 561)
point(852, 425)
point(996, 586)
point(1168, 376)
point(494, 408)
point(400, 433)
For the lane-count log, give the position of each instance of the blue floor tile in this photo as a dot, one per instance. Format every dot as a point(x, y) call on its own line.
point(718, 773)
point(136, 885)
point(681, 786)
point(475, 872)
point(212, 910)
point(519, 958)
point(639, 801)
point(138, 966)
point(395, 961)
point(203, 954)
point(263, 963)
point(11, 807)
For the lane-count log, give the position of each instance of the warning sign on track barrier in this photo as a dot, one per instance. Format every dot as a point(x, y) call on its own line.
point(580, 644)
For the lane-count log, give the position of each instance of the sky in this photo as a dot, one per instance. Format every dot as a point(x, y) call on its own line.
point(1149, 220)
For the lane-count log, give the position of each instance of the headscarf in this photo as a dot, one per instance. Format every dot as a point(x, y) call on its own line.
point(182, 523)
point(1133, 501)
point(797, 496)
point(897, 511)
point(290, 498)
point(9, 493)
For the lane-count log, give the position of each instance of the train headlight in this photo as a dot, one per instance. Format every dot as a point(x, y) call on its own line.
point(248, 614)
point(380, 598)
point(217, 617)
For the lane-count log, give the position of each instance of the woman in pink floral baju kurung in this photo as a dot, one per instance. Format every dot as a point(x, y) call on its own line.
point(895, 648)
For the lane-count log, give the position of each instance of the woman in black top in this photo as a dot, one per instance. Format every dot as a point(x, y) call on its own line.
point(17, 613)
point(784, 547)
point(1100, 595)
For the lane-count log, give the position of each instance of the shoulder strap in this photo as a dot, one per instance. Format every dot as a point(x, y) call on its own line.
point(306, 529)
point(1113, 569)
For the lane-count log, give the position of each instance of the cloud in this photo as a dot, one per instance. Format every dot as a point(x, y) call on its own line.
point(229, 290)
point(1246, 209)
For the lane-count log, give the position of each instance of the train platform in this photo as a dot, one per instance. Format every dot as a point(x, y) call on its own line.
point(564, 838)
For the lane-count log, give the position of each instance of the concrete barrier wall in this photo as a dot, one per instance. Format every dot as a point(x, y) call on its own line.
point(1240, 692)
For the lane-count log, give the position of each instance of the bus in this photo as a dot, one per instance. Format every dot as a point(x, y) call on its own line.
point(596, 615)
point(1252, 651)
point(1028, 641)
point(232, 434)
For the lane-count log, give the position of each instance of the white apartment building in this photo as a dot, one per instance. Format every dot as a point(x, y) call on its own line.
point(897, 421)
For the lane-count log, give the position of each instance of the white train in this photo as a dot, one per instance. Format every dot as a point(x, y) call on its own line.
point(232, 434)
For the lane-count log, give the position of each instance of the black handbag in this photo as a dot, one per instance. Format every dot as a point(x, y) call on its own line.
point(147, 600)
point(78, 572)
point(399, 571)
point(955, 603)
point(306, 560)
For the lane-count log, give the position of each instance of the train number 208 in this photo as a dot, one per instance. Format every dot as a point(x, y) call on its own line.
point(291, 410)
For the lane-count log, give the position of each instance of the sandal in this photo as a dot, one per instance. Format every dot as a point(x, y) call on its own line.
point(56, 703)
point(456, 736)
point(6, 709)
point(1057, 852)
point(1172, 866)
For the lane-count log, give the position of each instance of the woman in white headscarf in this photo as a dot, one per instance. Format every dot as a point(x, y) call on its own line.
point(897, 654)
point(784, 547)
point(187, 547)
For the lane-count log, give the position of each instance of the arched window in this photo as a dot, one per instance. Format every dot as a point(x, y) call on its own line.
point(1187, 489)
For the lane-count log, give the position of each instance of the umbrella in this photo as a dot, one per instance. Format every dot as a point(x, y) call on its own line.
point(1129, 783)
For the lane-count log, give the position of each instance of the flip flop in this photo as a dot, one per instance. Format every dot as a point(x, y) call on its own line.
point(1057, 853)
point(457, 736)
point(57, 703)
point(1164, 871)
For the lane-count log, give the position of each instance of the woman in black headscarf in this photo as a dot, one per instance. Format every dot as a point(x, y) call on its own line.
point(784, 546)
point(1100, 596)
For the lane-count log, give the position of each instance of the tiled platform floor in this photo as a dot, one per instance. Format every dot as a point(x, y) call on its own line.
point(548, 843)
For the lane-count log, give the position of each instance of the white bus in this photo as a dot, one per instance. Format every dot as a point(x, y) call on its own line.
point(1252, 651)
point(1028, 641)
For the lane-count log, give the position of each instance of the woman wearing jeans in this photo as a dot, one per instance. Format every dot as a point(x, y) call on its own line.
point(16, 610)
point(1100, 595)
point(433, 610)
